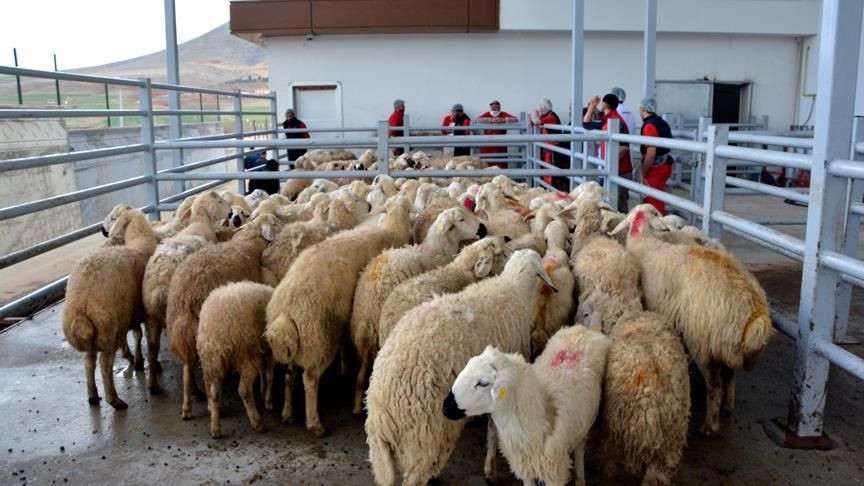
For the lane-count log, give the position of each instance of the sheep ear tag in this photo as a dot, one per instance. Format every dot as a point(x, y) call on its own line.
point(267, 232)
point(499, 391)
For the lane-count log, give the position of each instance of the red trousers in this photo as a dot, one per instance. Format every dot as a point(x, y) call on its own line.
point(656, 177)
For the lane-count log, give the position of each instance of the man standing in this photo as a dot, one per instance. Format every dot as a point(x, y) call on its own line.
point(291, 121)
point(656, 161)
point(397, 119)
point(625, 165)
point(457, 118)
point(495, 115)
point(543, 115)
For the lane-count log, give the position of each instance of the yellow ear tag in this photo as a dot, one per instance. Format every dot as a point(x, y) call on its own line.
point(502, 393)
point(440, 227)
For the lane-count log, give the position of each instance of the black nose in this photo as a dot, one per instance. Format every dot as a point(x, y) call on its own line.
point(104, 232)
point(237, 220)
point(451, 409)
point(481, 231)
point(507, 239)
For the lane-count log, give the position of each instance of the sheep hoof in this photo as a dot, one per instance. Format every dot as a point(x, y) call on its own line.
point(215, 434)
point(93, 401)
point(319, 431)
point(287, 420)
point(268, 406)
point(118, 404)
point(259, 427)
point(186, 415)
point(139, 364)
point(157, 367)
point(706, 430)
point(155, 389)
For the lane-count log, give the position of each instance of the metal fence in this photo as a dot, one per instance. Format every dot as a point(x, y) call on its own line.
point(834, 202)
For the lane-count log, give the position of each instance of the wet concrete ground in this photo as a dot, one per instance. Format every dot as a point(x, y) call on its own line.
point(52, 436)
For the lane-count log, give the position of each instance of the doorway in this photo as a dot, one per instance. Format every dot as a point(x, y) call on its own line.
point(319, 105)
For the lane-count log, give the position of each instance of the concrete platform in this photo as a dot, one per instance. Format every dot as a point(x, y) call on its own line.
point(52, 436)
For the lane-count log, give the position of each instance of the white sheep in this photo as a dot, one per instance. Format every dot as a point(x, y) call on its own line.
point(405, 429)
point(230, 339)
point(542, 411)
point(392, 267)
point(706, 294)
point(492, 206)
point(309, 312)
point(554, 309)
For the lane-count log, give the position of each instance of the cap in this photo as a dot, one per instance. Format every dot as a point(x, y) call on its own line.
point(611, 101)
point(456, 107)
point(650, 104)
point(290, 110)
point(495, 102)
point(398, 103)
point(546, 102)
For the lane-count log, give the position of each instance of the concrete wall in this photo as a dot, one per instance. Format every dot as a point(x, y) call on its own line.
point(431, 72)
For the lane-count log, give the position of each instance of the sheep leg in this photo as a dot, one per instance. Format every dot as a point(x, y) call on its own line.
point(269, 370)
point(657, 473)
point(214, 401)
point(714, 384)
point(138, 362)
point(311, 380)
point(579, 465)
point(416, 479)
point(106, 362)
point(188, 384)
point(125, 352)
point(288, 406)
point(360, 386)
point(728, 406)
point(90, 372)
point(247, 384)
point(154, 337)
point(490, 469)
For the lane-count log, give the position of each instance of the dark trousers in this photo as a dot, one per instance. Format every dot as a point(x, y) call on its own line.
point(459, 151)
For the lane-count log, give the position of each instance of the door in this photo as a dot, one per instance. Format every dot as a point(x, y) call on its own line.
point(319, 105)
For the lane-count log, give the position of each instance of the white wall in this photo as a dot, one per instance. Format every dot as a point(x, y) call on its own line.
point(431, 72)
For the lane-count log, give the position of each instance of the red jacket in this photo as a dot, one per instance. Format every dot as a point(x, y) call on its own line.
point(465, 122)
point(625, 165)
point(397, 119)
point(487, 118)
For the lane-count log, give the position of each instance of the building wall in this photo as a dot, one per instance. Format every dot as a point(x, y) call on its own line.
point(433, 71)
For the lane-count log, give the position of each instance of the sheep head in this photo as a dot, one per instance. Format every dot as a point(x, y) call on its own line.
point(528, 262)
point(237, 217)
point(456, 225)
point(642, 217)
point(483, 385)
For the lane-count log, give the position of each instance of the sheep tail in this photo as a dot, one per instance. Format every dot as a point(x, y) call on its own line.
point(283, 337)
point(80, 332)
point(755, 337)
point(381, 458)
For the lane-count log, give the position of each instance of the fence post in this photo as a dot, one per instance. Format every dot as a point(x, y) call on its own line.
point(274, 123)
point(238, 134)
point(850, 240)
point(383, 148)
point(107, 105)
point(765, 122)
point(17, 78)
point(611, 162)
point(145, 105)
point(406, 131)
point(201, 106)
point(838, 49)
point(57, 83)
point(715, 180)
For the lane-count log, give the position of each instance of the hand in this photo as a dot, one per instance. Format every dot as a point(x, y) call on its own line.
point(595, 100)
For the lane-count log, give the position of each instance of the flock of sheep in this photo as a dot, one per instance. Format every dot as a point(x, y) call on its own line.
point(458, 297)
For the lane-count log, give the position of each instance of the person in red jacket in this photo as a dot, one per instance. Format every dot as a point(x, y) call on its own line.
point(541, 116)
point(457, 118)
point(495, 115)
point(397, 119)
point(656, 161)
point(625, 165)
point(292, 122)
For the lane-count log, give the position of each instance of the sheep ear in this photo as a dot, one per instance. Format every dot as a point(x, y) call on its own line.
point(621, 226)
point(547, 279)
point(118, 229)
point(659, 225)
point(483, 266)
point(267, 232)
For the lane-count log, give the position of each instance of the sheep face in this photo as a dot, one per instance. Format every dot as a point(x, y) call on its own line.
point(460, 224)
point(481, 385)
point(642, 217)
point(255, 197)
point(112, 217)
point(237, 217)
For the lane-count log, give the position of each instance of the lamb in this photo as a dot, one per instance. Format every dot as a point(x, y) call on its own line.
point(255, 197)
point(405, 429)
point(202, 272)
point(103, 300)
point(318, 185)
point(719, 307)
point(492, 206)
point(542, 411)
point(207, 209)
point(393, 267)
point(476, 261)
point(230, 339)
point(161, 229)
point(235, 199)
point(554, 309)
point(309, 311)
point(427, 216)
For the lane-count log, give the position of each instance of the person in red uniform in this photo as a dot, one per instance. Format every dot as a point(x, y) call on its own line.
point(541, 116)
point(397, 119)
point(292, 122)
point(495, 115)
point(457, 118)
point(656, 161)
point(609, 107)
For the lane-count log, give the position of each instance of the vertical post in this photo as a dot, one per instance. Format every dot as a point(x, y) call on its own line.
point(219, 117)
point(407, 131)
point(578, 60)
point(649, 48)
point(838, 60)
point(57, 82)
point(145, 105)
point(274, 123)
point(201, 106)
point(715, 180)
point(107, 104)
point(765, 122)
point(120, 97)
point(172, 68)
point(383, 148)
point(611, 162)
point(17, 78)
point(850, 239)
point(238, 134)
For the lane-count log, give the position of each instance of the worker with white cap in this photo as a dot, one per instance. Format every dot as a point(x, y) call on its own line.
point(397, 119)
point(657, 162)
point(541, 116)
point(622, 110)
point(457, 118)
point(495, 115)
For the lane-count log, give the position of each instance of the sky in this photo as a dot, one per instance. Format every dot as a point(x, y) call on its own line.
point(87, 33)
